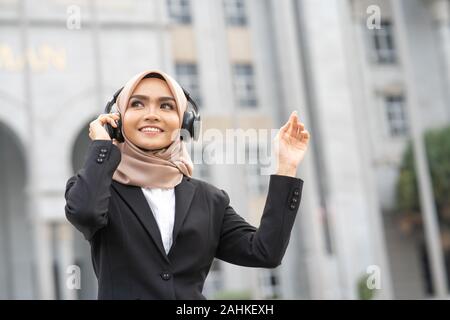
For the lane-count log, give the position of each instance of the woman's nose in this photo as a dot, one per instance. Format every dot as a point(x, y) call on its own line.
point(152, 112)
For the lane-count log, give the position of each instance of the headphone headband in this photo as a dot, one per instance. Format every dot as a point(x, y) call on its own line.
point(189, 99)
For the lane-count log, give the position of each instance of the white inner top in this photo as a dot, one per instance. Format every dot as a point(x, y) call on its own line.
point(162, 203)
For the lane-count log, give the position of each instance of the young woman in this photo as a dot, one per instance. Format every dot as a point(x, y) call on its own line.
point(154, 231)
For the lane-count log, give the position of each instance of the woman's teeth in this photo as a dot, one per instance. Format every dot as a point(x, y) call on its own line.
point(151, 130)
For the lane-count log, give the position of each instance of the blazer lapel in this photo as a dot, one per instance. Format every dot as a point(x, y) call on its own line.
point(184, 193)
point(136, 200)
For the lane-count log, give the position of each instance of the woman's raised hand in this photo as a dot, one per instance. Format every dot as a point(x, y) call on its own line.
point(97, 130)
point(291, 144)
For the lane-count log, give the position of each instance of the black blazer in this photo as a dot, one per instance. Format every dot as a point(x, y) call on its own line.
point(127, 251)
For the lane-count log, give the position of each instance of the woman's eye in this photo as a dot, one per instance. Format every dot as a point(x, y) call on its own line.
point(136, 104)
point(167, 106)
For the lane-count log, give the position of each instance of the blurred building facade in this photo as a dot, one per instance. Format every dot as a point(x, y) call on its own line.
point(248, 63)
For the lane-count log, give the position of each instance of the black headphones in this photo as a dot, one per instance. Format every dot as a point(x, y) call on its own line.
point(191, 120)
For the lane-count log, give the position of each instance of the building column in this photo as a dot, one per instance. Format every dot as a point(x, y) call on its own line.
point(41, 233)
point(216, 83)
point(346, 187)
point(213, 59)
point(162, 21)
point(308, 266)
point(262, 34)
point(441, 15)
point(427, 205)
point(43, 258)
point(65, 257)
point(362, 87)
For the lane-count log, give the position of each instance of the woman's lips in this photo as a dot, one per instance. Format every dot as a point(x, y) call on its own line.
point(151, 130)
point(151, 133)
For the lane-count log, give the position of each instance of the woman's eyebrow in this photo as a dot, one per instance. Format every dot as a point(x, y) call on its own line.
point(142, 97)
point(138, 96)
point(166, 98)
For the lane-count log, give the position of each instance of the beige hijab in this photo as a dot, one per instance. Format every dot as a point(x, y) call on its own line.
point(162, 168)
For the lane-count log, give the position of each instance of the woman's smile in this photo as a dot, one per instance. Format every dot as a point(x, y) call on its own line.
point(151, 131)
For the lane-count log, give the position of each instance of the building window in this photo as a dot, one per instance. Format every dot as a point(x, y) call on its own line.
point(398, 124)
point(187, 76)
point(257, 183)
point(235, 12)
point(179, 11)
point(382, 43)
point(244, 85)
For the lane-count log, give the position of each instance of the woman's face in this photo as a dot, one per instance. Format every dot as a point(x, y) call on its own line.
point(151, 116)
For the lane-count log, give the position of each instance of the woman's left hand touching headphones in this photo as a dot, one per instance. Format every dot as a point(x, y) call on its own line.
point(291, 144)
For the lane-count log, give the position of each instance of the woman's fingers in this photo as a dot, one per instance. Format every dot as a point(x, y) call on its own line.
point(300, 128)
point(286, 127)
point(108, 118)
point(112, 122)
point(297, 126)
point(291, 123)
point(294, 127)
point(305, 135)
point(97, 129)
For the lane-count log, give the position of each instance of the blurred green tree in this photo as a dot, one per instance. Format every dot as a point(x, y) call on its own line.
point(407, 194)
point(364, 292)
point(437, 143)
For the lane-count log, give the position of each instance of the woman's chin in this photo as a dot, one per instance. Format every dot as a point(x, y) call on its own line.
point(151, 147)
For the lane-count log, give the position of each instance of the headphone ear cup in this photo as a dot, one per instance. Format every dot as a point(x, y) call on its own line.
point(115, 133)
point(196, 127)
point(110, 130)
point(188, 121)
point(118, 131)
